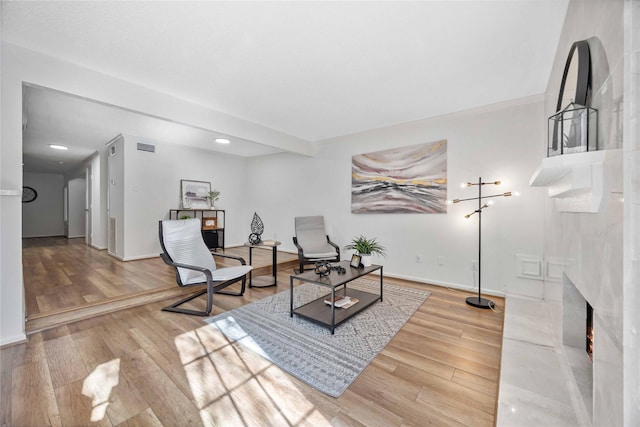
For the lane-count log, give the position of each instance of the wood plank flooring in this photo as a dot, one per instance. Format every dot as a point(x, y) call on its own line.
point(65, 280)
point(144, 367)
point(62, 273)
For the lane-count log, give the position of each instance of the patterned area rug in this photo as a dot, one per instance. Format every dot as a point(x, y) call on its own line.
point(329, 363)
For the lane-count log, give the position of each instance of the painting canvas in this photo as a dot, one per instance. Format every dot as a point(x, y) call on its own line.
point(195, 194)
point(410, 179)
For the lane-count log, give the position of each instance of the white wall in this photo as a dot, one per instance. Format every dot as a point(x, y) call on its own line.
point(76, 204)
point(496, 142)
point(97, 164)
point(44, 216)
point(152, 186)
point(22, 65)
point(115, 205)
point(11, 288)
point(98, 207)
point(487, 142)
point(631, 214)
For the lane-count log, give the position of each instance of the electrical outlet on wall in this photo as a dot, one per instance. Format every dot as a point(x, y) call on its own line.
point(418, 259)
point(474, 265)
point(440, 260)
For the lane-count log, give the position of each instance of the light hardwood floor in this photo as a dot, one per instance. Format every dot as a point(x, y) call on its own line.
point(141, 366)
point(65, 280)
point(61, 273)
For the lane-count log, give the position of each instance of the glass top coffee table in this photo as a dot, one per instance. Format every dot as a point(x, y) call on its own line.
point(328, 314)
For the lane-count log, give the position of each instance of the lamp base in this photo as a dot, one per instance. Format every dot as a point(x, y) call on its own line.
point(480, 302)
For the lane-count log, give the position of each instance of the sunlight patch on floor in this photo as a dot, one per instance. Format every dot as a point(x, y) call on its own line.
point(98, 385)
point(233, 385)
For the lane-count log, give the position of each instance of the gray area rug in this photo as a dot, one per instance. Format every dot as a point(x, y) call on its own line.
point(329, 363)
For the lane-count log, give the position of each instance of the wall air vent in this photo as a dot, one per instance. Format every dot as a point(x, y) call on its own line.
point(146, 147)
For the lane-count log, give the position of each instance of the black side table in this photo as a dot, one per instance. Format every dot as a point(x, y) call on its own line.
point(273, 244)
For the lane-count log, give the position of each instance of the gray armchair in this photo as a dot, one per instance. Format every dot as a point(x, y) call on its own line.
point(312, 241)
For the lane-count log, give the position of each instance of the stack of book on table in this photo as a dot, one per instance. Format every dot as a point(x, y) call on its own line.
point(342, 301)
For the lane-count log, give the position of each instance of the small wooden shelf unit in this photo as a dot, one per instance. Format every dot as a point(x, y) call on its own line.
point(213, 221)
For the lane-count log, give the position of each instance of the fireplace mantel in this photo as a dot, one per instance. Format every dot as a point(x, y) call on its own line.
point(576, 181)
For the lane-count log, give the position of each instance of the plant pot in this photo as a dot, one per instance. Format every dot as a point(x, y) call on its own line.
point(366, 260)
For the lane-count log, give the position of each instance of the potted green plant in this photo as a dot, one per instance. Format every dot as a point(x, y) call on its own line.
point(365, 248)
point(213, 196)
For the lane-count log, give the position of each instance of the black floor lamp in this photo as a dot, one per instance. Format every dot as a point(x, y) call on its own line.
point(479, 301)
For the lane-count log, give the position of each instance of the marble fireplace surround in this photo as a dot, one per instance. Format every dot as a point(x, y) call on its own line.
point(546, 373)
point(574, 313)
point(594, 237)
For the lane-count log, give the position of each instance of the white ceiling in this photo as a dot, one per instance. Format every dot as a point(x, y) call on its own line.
point(314, 70)
point(83, 125)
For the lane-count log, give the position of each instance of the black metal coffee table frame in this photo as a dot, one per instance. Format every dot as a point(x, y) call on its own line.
point(329, 315)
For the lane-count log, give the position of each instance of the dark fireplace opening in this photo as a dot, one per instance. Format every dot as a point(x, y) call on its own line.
point(589, 347)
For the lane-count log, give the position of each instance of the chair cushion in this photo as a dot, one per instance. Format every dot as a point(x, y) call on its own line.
point(322, 255)
point(228, 273)
point(183, 242)
point(312, 237)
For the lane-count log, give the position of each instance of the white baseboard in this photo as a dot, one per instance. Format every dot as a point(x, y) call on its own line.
point(135, 258)
point(415, 279)
point(16, 339)
point(115, 255)
point(445, 284)
point(44, 235)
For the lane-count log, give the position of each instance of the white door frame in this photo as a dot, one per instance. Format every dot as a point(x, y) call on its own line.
point(87, 206)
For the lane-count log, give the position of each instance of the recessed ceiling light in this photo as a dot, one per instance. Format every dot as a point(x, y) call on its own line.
point(62, 163)
point(58, 147)
point(222, 141)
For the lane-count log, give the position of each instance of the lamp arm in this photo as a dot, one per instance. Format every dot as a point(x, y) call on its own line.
point(507, 194)
point(470, 184)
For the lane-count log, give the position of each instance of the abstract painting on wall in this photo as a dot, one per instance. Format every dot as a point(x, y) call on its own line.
point(409, 179)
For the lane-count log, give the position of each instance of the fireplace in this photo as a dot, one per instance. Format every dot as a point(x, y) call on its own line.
point(577, 339)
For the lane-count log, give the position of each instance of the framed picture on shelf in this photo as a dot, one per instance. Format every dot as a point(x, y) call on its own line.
point(195, 194)
point(355, 260)
point(208, 223)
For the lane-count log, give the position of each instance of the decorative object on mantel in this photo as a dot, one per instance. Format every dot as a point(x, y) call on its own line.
point(409, 179)
point(213, 196)
point(479, 301)
point(574, 126)
point(574, 129)
point(573, 170)
point(195, 194)
point(257, 228)
point(365, 248)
